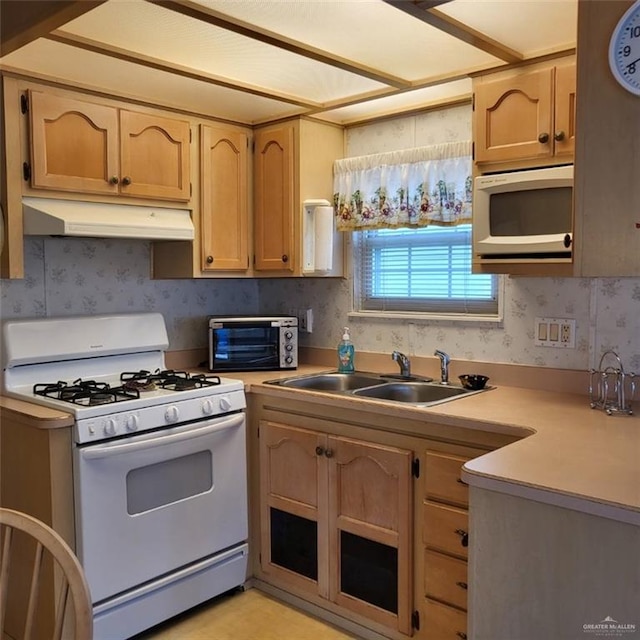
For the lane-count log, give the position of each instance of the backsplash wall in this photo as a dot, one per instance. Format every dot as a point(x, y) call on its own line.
point(607, 311)
point(78, 276)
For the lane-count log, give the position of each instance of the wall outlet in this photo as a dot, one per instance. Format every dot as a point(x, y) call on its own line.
point(305, 320)
point(555, 332)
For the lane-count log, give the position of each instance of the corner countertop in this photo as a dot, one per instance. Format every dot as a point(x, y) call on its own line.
point(570, 455)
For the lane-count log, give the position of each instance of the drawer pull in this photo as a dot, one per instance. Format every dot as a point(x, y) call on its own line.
point(462, 585)
point(461, 635)
point(319, 451)
point(464, 537)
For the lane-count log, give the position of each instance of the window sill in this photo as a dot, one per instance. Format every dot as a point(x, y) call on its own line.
point(427, 317)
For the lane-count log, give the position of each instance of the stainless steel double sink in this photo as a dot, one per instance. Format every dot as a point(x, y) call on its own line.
point(389, 388)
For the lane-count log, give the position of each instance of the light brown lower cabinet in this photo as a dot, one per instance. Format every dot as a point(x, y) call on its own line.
point(362, 520)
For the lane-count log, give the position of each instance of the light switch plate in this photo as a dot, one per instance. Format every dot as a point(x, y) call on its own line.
point(559, 333)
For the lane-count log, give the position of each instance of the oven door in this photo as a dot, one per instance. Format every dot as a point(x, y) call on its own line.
point(149, 504)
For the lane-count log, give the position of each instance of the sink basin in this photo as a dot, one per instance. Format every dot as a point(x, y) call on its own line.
point(415, 392)
point(332, 382)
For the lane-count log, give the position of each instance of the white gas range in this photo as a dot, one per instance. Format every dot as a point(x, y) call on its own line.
point(159, 463)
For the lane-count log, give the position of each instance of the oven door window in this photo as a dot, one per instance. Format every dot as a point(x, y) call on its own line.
point(534, 212)
point(163, 483)
point(246, 347)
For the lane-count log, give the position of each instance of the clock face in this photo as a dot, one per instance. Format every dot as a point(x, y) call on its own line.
point(624, 50)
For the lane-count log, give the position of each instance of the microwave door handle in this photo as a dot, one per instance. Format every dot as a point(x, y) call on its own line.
point(159, 441)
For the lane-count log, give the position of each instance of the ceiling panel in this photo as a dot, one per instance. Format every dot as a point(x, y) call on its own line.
point(346, 61)
point(393, 105)
point(124, 79)
point(533, 27)
point(371, 32)
point(154, 31)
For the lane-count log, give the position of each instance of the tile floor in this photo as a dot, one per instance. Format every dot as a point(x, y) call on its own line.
point(251, 615)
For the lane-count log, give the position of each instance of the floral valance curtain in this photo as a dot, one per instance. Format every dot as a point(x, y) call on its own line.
point(409, 188)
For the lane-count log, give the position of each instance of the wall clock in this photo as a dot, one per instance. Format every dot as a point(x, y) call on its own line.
point(624, 50)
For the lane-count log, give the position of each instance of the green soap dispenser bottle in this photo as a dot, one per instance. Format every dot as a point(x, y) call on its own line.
point(346, 353)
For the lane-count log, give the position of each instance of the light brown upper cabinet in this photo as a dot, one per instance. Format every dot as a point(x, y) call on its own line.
point(224, 204)
point(91, 148)
point(526, 116)
point(274, 199)
point(293, 162)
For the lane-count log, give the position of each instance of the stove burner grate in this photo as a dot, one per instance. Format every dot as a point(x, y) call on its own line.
point(85, 392)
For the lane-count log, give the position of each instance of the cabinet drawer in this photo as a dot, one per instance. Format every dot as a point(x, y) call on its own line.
point(442, 478)
point(445, 578)
point(443, 622)
point(445, 528)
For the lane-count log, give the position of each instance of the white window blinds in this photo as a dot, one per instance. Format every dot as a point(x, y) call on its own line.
point(426, 269)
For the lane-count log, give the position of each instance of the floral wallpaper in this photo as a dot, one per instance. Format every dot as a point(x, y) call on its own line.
point(607, 311)
point(78, 276)
point(75, 276)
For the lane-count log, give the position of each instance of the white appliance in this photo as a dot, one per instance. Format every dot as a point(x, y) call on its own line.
point(159, 457)
point(524, 213)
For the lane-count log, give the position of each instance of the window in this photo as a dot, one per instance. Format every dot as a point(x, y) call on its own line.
point(425, 269)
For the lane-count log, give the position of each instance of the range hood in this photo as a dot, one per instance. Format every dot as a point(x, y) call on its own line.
point(49, 217)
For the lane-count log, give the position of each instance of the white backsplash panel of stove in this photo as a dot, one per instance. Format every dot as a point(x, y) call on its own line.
point(79, 276)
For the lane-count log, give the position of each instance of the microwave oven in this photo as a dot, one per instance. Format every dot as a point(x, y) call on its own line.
point(524, 213)
point(253, 343)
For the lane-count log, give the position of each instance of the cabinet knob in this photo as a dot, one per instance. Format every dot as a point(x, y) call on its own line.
point(566, 241)
point(462, 585)
point(319, 451)
point(126, 180)
point(285, 258)
point(559, 136)
point(209, 259)
point(462, 635)
point(114, 180)
point(543, 138)
point(329, 453)
point(464, 537)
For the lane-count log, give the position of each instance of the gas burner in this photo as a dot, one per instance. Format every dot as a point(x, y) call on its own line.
point(181, 381)
point(85, 392)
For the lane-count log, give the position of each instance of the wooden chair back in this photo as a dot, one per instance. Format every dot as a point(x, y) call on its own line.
point(72, 583)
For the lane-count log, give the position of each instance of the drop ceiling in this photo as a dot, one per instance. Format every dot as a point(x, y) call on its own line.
point(254, 61)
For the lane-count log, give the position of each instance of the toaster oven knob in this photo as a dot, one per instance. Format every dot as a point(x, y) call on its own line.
point(288, 335)
point(289, 347)
point(207, 407)
point(288, 359)
point(110, 425)
point(225, 403)
point(132, 423)
point(171, 414)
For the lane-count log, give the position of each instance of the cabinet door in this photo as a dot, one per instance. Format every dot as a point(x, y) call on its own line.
point(154, 156)
point(224, 199)
point(370, 497)
point(513, 117)
point(293, 503)
point(74, 144)
point(565, 111)
point(274, 199)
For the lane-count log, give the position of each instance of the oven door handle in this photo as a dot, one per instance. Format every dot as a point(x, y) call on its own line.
point(107, 450)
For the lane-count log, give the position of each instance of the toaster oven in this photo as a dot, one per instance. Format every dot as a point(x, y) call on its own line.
point(253, 343)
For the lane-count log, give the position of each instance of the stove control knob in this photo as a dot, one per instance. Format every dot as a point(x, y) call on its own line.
point(225, 403)
point(207, 407)
point(171, 414)
point(110, 426)
point(132, 423)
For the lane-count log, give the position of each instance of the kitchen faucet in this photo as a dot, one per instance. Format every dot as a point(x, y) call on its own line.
point(404, 363)
point(444, 366)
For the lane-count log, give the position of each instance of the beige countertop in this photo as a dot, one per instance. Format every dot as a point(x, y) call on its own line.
point(570, 455)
